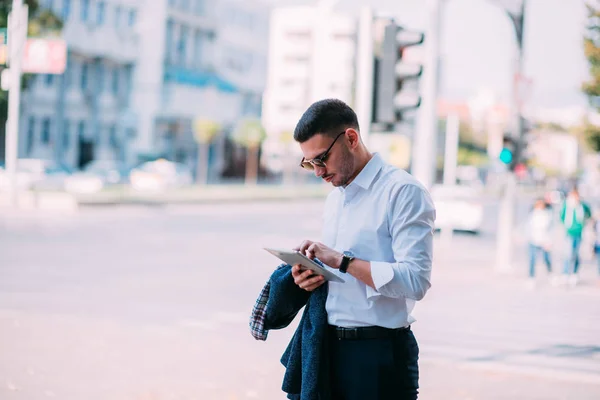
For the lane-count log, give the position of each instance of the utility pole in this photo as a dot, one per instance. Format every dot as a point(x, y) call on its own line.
point(364, 73)
point(450, 167)
point(17, 36)
point(424, 162)
point(508, 203)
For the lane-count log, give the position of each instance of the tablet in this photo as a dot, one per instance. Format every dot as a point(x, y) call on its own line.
point(292, 257)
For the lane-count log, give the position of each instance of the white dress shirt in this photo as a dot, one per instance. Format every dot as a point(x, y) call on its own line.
point(384, 216)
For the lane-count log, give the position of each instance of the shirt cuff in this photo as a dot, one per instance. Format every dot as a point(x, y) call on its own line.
point(382, 273)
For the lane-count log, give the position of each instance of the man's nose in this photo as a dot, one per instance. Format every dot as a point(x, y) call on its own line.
point(319, 171)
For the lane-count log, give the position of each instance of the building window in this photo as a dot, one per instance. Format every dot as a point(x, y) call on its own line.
point(169, 41)
point(199, 9)
point(81, 129)
point(118, 12)
point(132, 17)
point(84, 76)
point(128, 79)
point(185, 5)
point(100, 77)
point(300, 59)
point(85, 10)
point(66, 9)
point(101, 6)
point(197, 48)
point(30, 134)
point(68, 75)
point(115, 81)
point(112, 136)
point(46, 130)
point(182, 45)
point(298, 36)
point(286, 108)
point(66, 134)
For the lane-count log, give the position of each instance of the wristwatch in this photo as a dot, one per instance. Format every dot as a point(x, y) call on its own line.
point(346, 258)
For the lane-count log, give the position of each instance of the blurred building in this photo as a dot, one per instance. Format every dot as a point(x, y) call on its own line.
point(556, 152)
point(83, 114)
point(140, 72)
point(311, 56)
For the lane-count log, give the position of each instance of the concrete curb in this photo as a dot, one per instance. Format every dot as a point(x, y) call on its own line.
point(62, 201)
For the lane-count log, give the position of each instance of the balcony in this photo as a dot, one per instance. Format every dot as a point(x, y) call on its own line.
point(119, 45)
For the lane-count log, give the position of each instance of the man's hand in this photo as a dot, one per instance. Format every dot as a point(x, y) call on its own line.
point(318, 250)
point(306, 280)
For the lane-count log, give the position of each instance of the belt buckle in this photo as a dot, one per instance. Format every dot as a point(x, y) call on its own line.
point(350, 333)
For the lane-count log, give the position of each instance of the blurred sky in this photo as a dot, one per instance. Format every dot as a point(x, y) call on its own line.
point(478, 39)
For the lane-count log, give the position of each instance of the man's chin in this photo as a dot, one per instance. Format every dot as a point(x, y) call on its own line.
point(336, 183)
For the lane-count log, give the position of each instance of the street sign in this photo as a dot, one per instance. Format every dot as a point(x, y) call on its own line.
point(5, 79)
point(45, 56)
point(3, 36)
point(41, 56)
point(3, 54)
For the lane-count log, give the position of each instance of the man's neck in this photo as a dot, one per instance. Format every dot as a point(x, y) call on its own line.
point(364, 159)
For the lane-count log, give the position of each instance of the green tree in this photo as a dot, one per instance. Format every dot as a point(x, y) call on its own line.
point(250, 134)
point(591, 48)
point(42, 23)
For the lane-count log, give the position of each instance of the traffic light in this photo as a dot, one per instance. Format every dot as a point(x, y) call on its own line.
point(507, 155)
point(510, 155)
point(396, 80)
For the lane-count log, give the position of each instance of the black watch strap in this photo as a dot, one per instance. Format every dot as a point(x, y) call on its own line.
point(345, 262)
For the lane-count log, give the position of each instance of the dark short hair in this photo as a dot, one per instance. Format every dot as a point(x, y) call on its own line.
point(328, 117)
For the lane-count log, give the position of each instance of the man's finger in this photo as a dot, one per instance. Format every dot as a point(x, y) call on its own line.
point(312, 281)
point(296, 270)
point(306, 274)
point(305, 246)
point(312, 287)
point(308, 283)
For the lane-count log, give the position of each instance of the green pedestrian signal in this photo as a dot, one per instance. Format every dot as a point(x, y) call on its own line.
point(506, 156)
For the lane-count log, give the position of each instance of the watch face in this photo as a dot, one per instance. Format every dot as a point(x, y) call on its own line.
point(348, 254)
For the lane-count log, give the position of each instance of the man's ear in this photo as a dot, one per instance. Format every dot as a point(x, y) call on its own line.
point(353, 138)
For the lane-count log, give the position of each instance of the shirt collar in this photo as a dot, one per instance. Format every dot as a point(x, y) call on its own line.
point(366, 176)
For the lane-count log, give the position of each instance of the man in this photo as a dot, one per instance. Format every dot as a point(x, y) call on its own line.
point(574, 215)
point(378, 236)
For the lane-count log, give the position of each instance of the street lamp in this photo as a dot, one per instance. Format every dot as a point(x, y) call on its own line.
point(506, 219)
point(516, 12)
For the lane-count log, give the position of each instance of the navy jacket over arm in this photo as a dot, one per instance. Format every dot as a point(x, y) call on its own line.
point(306, 358)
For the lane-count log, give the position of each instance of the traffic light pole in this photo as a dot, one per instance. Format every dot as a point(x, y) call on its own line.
point(508, 203)
point(424, 162)
point(17, 35)
point(364, 73)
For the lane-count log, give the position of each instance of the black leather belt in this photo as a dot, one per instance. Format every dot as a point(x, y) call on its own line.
point(367, 332)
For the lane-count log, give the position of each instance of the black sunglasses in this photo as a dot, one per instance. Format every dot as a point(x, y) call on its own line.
point(319, 161)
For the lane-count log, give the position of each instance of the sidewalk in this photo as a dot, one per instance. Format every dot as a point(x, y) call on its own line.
point(63, 201)
point(486, 334)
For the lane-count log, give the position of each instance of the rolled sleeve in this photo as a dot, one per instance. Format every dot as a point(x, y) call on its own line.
point(411, 223)
point(382, 273)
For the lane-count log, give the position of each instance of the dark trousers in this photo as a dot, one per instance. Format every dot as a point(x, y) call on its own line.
point(375, 369)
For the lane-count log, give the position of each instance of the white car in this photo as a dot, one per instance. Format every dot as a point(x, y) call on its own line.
point(458, 206)
point(37, 174)
point(97, 175)
point(159, 175)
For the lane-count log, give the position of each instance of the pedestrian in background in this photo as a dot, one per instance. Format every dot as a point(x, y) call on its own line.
point(597, 242)
point(574, 216)
point(539, 229)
